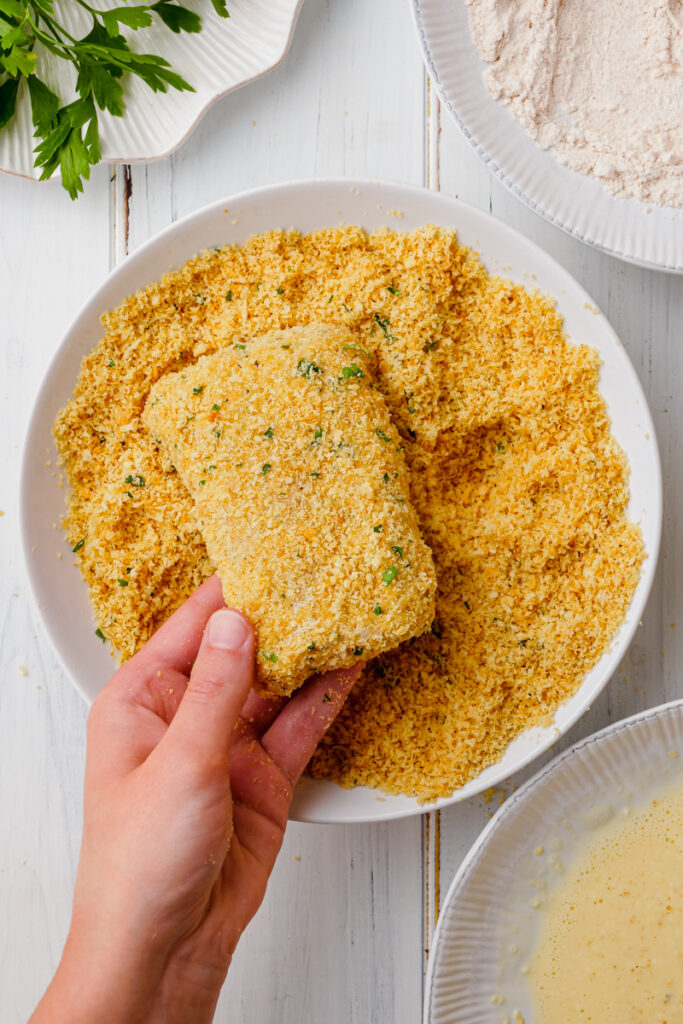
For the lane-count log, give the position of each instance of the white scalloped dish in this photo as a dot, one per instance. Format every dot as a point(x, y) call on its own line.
point(490, 922)
point(227, 53)
point(60, 592)
point(650, 236)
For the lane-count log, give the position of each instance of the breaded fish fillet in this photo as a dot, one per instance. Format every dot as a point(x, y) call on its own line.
point(302, 496)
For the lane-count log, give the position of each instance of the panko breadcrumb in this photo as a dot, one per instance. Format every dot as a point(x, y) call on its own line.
point(520, 488)
point(301, 487)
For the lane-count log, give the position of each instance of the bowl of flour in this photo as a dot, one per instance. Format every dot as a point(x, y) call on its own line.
point(577, 106)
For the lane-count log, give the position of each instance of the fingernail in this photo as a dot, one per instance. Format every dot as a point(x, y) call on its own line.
point(227, 630)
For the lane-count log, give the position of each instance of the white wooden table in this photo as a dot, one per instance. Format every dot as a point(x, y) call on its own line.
point(346, 927)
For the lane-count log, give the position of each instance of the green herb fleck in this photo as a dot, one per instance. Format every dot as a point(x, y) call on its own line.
point(198, 391)
point(200, 299)
point(394, 291)
point(305, 367)
point(218, 431)
point(269, 433)
point(269, 657)
point(266, 468)
point(280, 291)
point(500, 447)
point(389, 575)
point(330, 299)
point(384, 324)
point(317, 433)
point(135, 481)
point(315, 474)
point(123, 583)
point(377, 529)
point(210, 468)
point(397, 550)
point(523, 643)
point(378, 609)
point(386, 478)
point(285, 346)
point(353, 370)
point(100, 634)
point(111, 363)
point(431, 344)
point(357, 651)
point(311, 646)
point(215, 407)
point(238, 345)
point(228, 295)
point(79, 545)
point(202, 482)
point(382, 436)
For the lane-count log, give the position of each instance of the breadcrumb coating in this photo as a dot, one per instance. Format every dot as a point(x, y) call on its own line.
point(302, 491)
point(520, 489)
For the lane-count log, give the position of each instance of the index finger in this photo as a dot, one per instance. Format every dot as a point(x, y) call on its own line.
point(305, 719)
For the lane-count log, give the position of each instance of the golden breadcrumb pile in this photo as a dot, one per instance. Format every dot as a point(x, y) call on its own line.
point(300, 482)
point(520, 489)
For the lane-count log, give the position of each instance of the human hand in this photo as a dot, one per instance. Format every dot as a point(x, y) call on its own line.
point(188, 782)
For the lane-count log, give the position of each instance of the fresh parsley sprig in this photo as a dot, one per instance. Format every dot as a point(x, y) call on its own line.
point(68, 133)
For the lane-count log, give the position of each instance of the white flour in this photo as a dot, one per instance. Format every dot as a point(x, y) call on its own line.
point(600, 81)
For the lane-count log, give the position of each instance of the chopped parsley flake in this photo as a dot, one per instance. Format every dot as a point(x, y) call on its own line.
point(266, 468)
point(389, 575)
point(123, 583)
point(358, 651)
point(377, 529)
point(317, 433)
point(238, 345)
point(218, 431)
point(280, 291)
point(353, 370)
point(100, 634)
point(215, 407)
point(135, 481)
point(500, 447)
point(330, 299)
point(202, 482)
point(386, 478)
point(79, 545)
point(382, 436)
point(285, 346)
point(430, 345)
point(228, 295)
point(269, 657)
point(269, 433)
point(210, 468)
point(111, 363)
point(200, 299)
point(311, 646)
point(384, 324)
point(394, 291)
point(378, 609)
point(305, 367)
point(523, 643)
point(397, 550)
point(198, 391)
point(315, 474)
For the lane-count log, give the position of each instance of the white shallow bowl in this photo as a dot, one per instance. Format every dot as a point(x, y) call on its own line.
point(488, 907)
point(651, 236)
point(227, 53)
point(59, 590)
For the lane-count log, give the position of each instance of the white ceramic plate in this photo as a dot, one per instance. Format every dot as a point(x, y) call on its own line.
point(650, 236)
point(488, 925)
point(61, 593)
point(227, 53)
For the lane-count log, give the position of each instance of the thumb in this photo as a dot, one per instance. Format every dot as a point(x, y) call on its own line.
point(219, 684)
